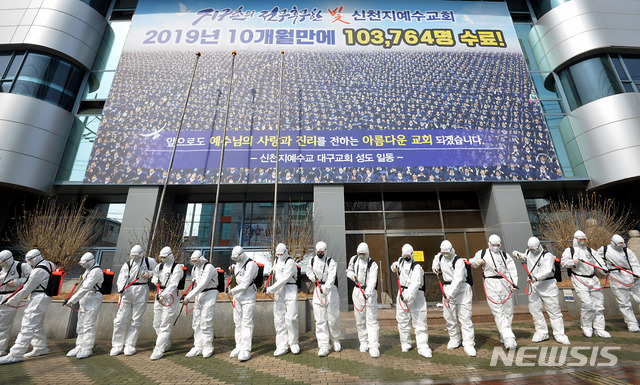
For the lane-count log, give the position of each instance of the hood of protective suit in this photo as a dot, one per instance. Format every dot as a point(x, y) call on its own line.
point(196, 258)
point(136, 252)
point(363, 251)
point(533, 245)
point(6, 259)
point(281, 251)
point(494, 243)
point(87, 261)
point(321, 249)
point(166, 255)
point(33, 257)
point(446, 249)
point(237, 254)
point(617, 242)
point(407, 251)
point(580, 239)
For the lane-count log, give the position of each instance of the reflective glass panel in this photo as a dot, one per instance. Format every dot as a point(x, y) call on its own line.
point(90, 124)
point(589, 80)
point(364, 221)
point(633, 66)
point(409, 220)
point(49, 79)
point(5, 58)
point(462, 219)
point(15, 64)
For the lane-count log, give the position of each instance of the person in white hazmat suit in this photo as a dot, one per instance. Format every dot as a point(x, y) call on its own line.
point(285, 304)
point(411, 305)
point(364, 270)
point(204, 294)
point(322, 270)
point(12, 276)
point(586, 284)
point(166, 276)
point(90, 299)
point(544, 290)
point(134, 293)
point(624, 284)
point(244, 296)
point(32, 329)
point(457, 295)
point(497, 287)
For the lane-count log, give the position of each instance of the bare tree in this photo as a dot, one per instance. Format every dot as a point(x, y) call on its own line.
point(295, 231)
point(169, 233)
point(597, 216)
point(60, 231)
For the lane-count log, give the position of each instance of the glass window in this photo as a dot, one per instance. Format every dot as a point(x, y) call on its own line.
point(363, 202)
point(410, 201)
point(409, 220)
point(633, 66)
point(589, 80)
point(5, 58)
point(540, 7)
point(106, 63)
point(522, 31)
point(90, 125)
point(15, 65)
point(50, 79)
point(102, 6)
point(551, 106)
point(619, 69)
point(364, 221)
point(462, 219)
point(543, 93)
point(459, 200)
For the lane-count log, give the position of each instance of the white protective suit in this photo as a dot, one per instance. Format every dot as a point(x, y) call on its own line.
point(411, 305)
point(166, 276)
point(326, 300)
point(624, 286)
point(32, 329)
point(586, 284)
point(204, 293)
point(88, 294)
point(458, 297)
point(10, 279)
point(244, 297)
point(133, 301)
point(285, 304)
point(544, 290)
point(364, 270)
point(497, 288)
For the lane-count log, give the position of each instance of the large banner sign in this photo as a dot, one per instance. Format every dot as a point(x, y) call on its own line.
point(411, 91)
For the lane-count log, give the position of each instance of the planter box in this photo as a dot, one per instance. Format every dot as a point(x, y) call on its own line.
point(60, 322)
point(610, 304)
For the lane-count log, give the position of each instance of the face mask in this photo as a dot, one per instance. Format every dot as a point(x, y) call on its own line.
point(582, 241)
point(406, 258)
point(320, 254)
point(446, 254)
point(363, 256)
point(136, 257)
point(495, 248)
point(164, 258)
point(86, 265)
point(6, 264)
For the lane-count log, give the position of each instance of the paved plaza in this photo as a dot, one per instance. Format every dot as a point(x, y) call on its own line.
point(349, 366)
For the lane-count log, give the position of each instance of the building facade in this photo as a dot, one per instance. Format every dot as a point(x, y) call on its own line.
point(554, 93)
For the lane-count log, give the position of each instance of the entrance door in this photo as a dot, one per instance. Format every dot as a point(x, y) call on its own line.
point(428, 245)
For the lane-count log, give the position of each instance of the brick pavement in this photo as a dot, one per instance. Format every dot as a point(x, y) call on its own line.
point(349, 366)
